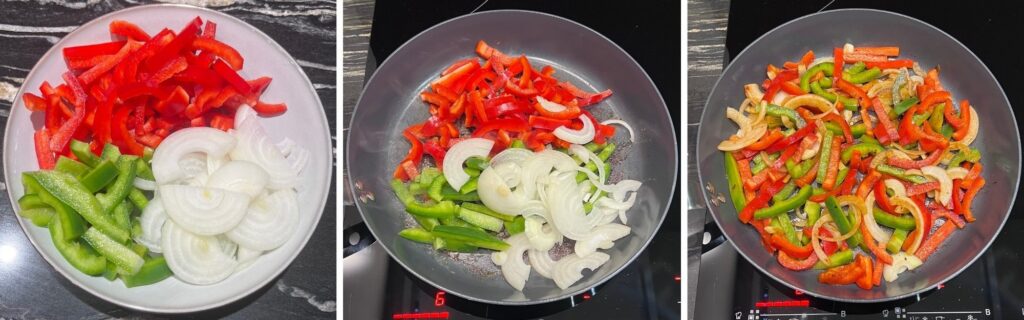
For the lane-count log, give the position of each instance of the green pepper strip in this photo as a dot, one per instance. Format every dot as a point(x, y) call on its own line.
point(826, 67)
point(517, 144)
point(864, 148)
point(476, 163)
point(72, 223)
point(840, 218)
point(891, 221)
point(785, 192)
point(946, 131)
point(826, 153)
point(103, 174)
point(71, 192)
point(470, 186)
point(838, 258)
point(154, 270)
point(110, 152)
point(896, 85)
point(80, 256)
point(83, 153)
point(784, 206)
point(119, 189)
point(863, 76)
point(793, 168)
point(856, 68)
point(777, 111)
point(593, 147)
point(470, 236)
point(902, 107)
point(857, 130)
point(435, 188)
point(896, 240)
point(901, 174)
point(732, 174)
point(937, 117)
point(450, 194)
point(39, 216)
point(787, 228)
point(759, 165)
point(825, 83)
point(813, 210)
point(138, 198)
point(604, 155)
point(75, 168)
point(114, 251)
point(480, 220)
point(143, 170)
point(122, 214)
point(417, 234)
point(440, 210)
point(452, 245)
point(455, 221)
point(485, 210)
point(972, 155)
point(427, 223)
point(517, 226)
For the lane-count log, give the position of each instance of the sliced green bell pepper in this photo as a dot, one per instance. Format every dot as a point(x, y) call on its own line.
point(837, 258)
point(732, 174)
point(842, 222)
point(813, 210)
point(901, 174)
point(864, 148)
point(100, 176)
point(452, 245)
point(80, 256)
point(777, 111)
point(71, 222)
point(895, 243)
point(781, 207)
point(75, 168)
point(434, 192)
point(69, 191)
point(805, 79)
point(417, 234)
point(891, 221)
point(826, 153)
point(902, 107)
point(485, 210)
point(480, 220)
point(470, 236)
point(154, 270)
point(439, 210)
point(83, 153)
point(119, 189)
point(863, 76)
point(113, 250)
point(517, 226)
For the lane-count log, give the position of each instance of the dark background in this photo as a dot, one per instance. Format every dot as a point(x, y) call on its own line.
point(31, 289)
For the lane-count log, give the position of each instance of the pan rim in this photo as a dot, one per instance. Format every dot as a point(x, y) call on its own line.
point(563, 294)
point(814, 293)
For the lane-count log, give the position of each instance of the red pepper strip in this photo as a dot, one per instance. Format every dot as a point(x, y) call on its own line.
point(153, 141)
point(756, 181)
point(270, 109)
point(972, 174)
point(863, 57)
point(510, 124)
point(128, 30)
point(950, 216)
point(744, 168)
point(876, 277)
point(765, 237)
point(808, 58)
point(478, 106)
point(524, 79)
point(954, 120)
point(184, 38)
point(537, 140)
point(86, 63)
point(833, 167)
point(839, 120)
point(969, 198)
point(842, 275)
point(883, 199)
point(172, 68)
point(76, 89)
point(435, 151)
point(780, 163)
point(585, 98)
point(410, 169)
point(879, 252)
point(44, 157)
point(881, 51)
point(98, 70)
point(120, 134)
point(174, 103)
point(847, 184)
point(965, 116)
point(457, 107)
point(550, 124)
point(60, 138)
point(515, 89)
point(445, 92)
point(53, 114)
point(792, 250)
point(796, 265)
point(911, 164)
point(199, 75)
point(890, 64)
point(33, 102)
point(760, 201)
point(571, 112)
point(485, 51)
point(434, 99)
point(223, 96)
point(922, 188)
point(766, 140)
point(810, 175)
point(219, 121)
point(221, 50)
point(231, 76)
point(791, 139)
point(93, 50)
point(956, 200)
point(929, 245)
point(883, 119)
point(927, 215)
point(854, 91)
point(792, 89)
point(837, 56)
point(865, 281)
point(868, 184)
point(456, 65)
point(459, 73)
point(776, 84)
point(415, 153)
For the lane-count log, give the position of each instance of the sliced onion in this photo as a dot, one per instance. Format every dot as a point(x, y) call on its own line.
point(897, 187)
point(588, 156)
point(286, 146)
point(599, 236)
point(918, 220)
point(956, 172)
point(945, 183)
point(194, 258)
point(753, 92)
point(240, 176)
point(539, 166)
point(269, 222)
point(515, 270)
point(204, 211)
point(810, 100)
point(254, 145)
point(194, 165)
point(815, 243)
point(901, 261)
point(812, 148)
point(581, 136)
point(541, 262)
point(542, 237)
point(298, 158)
point(972, 131)
point(152, 222)
point(569, 269)
point(206, 140)
point(550, 106)
point(246, 257)
point(495, 193)
point(512, 155)
point(457, 155)
point(869, 220)
point(623, 124)
point(214, 163)
point(147, 185)
point(566, 207)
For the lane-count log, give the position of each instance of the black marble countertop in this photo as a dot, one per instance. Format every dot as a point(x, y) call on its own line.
point(31, 289)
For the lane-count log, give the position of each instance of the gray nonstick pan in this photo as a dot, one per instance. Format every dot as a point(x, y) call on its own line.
point(390, 102)
point(962, 73)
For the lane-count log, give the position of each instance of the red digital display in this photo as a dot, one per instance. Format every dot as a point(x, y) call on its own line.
point(439, 299)
point(783, 303)
point(798, 292)
point(678, 278)
point(421, 315)
point(586, 296)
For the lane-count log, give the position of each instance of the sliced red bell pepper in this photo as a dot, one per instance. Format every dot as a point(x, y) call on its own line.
point(776, 84)
point(885, 123)
point(60, 138)
point(796, 265)
point(863, 57)
point(120, 134)
point(868, 184)
point(792, 250)
point(882, 199)
point(808, 177)
point(922, 188)
point(833, 166)
point(270, 109)
point(435, 151)
point(511, 124)
point(837, 57)
point(450, 79)
point(847, 184)
point(760, 201)
point(173, 48)
point(874, 247)
point(44, 157)
point(791, 139)
point(128, 30)
point(792, 89)
point(76, 89)
point(972, 191)
point(221, 50)
point(168, 71)
point(766, 140)
point(890, 64)
point(33, 102)
point(515, 89)
point(853, 91)
point(911, 164)
point(545, 123)
point(965, 120)
point(487, 52)
point(956, 199)
point(841, 122)
point(929, 245)
point(231, 76)
point(98, 70)
point(93, 50)
point(865, 281)
point(842, 275)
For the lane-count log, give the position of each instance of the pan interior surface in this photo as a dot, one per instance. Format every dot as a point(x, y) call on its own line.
point(963, 74)
point(390, 102)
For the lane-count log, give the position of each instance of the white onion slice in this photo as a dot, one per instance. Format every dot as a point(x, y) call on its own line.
point(549, 105)
point(495, 193)
point(195, 259)
point(539, 166)
point(457, 155)
point(901, 261)
point(204, 211)
point(269, 222)
point(298, 158)
point(240, 176)
point(972, 131)
point(147, 185)
point(945, 183)
point(600, 236)
point(623, 124)
point(515, 270)
point(566, 207)
point(246, 257)
point(541, 262)
point(541, 237)
point(210, 141)
point(581, 136)
point(569, 269)
point(152, 222)
point(511, 155)
point(869, 220)
point(254, 145)
point(956, 172)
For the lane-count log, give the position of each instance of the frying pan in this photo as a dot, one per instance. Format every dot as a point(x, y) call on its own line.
point(390, 102)
point(962, 73)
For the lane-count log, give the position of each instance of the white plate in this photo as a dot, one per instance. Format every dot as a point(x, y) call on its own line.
point(304, 122)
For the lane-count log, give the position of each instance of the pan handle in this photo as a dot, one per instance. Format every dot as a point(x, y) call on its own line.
point(356, 237)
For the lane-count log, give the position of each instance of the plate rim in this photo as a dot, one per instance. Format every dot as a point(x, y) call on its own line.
point(162, 310)
point(564, 294)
